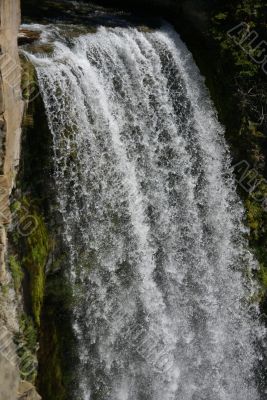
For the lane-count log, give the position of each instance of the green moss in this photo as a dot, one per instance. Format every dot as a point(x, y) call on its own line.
point(16, 272)
point(263, 276)
point(220, 16)
point(57, 342)
point(37, 246)
point(4, 289)
point(29, 332)
point(31, 240)
point(51, 380)
point(32, 243)
point(48, 296)
point(254, 216)
point(26, 342)
point(29, 85)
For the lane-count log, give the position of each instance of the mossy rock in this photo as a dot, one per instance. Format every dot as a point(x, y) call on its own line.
point(48, 296)
point(37, 247)
point(31, 240)
point(16, 272)
point(26, 343)
point(57, 341)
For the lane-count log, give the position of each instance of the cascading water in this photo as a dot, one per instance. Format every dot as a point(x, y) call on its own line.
point(158, 263)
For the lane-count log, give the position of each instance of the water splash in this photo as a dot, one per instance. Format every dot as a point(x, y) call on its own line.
point(152, 222)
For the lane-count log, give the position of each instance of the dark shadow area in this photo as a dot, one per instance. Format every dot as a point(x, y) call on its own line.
point(56, 354)
point(93, 14)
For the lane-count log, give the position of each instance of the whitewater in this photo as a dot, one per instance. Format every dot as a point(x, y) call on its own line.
point(158, 264)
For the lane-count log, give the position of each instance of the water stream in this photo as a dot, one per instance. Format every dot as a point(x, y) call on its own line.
point(157, 257)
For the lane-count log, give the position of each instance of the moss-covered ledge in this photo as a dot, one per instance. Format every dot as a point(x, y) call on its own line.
point(37, 256)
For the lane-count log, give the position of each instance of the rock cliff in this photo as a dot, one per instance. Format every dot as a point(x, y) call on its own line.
point(11, 111)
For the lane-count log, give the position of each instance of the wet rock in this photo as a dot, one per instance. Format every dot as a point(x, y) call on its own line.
point(27, 36)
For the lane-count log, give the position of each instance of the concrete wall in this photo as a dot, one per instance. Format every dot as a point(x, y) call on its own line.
point(11, 109)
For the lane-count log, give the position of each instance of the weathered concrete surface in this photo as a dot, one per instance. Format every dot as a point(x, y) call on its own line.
point(9, 380)
point(11, 109)
point(27, 391)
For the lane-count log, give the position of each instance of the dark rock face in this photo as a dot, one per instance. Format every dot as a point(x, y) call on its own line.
point(197, 11)
point(27, 36)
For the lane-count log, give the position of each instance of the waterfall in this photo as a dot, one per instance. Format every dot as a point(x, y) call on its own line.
point(158, 263)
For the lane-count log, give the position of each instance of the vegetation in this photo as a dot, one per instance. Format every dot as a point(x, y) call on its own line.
point(47, 295)
point(57, 344)
point(16, 272)
point(31, 238)
point(27, 344)
point(36, 251)
point(30, 246)
point(245, 93)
